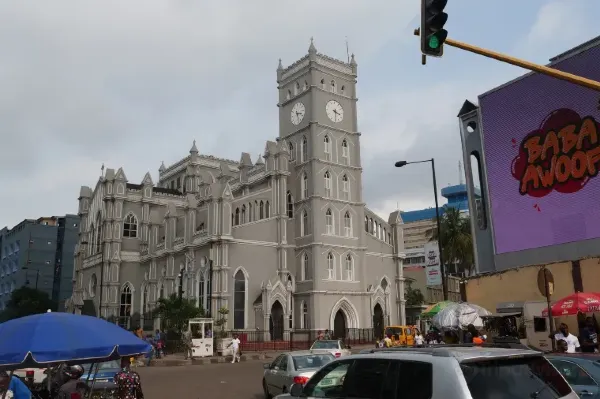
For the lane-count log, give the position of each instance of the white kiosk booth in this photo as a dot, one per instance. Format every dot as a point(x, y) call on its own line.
point(202, 337)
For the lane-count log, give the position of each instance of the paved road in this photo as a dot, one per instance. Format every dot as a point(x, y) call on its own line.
point(214, 381)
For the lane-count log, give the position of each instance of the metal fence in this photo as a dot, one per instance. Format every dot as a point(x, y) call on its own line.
point(276, 339)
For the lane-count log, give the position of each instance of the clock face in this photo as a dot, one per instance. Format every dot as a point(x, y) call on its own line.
point(297, 114)
point(334, 110)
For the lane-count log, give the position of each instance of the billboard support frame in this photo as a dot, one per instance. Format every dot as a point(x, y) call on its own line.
point(542, 69)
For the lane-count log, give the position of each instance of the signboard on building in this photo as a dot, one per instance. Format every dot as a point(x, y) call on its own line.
point(542, 158)
point(432, 264)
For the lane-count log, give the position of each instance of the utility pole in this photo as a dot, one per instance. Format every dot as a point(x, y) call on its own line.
point(544, 70)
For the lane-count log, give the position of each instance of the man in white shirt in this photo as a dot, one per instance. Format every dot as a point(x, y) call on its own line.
point(235, 343)
point(571, 340)
point(419, 340)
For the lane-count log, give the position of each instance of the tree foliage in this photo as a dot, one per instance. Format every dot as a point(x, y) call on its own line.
point(26, 301)
point(413, 296)
point(175, 312)
point(456, 240)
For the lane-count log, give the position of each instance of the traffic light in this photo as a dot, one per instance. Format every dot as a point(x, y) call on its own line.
point(433, 34)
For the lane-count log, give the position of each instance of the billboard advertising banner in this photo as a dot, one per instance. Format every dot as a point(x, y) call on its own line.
point(542, 155)
point(432, 264)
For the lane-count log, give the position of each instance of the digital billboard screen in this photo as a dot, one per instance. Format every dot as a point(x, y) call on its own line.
point(542, 156)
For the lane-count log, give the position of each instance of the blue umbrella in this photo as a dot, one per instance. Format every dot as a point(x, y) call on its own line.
point(43, 339)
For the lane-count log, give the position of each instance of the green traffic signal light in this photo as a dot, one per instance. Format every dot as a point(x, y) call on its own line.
point(433, 34)
point(434, 42)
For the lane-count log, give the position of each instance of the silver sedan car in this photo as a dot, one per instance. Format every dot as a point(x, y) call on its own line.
point(292, 368)
point(334, 346)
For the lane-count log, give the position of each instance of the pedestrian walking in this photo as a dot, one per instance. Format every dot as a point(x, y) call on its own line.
point(187, 344)
point(235, 344)
point(128, 382)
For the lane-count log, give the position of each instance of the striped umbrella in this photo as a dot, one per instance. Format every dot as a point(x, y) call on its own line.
point(434, 309)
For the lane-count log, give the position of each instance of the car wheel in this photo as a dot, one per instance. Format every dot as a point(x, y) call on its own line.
point(266, 390)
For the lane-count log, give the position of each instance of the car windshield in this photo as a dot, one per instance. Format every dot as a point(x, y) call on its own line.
point(393, 331)
point(113, 364)
point(325, 345)
point(311, 361)
point(525, 377)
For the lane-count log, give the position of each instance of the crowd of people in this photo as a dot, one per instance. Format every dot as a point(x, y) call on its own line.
point(587, 342)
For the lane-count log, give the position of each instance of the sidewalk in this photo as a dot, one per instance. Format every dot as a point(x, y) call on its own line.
point(178, 359)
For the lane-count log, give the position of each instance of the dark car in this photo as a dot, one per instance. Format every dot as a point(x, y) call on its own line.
point(582, 372)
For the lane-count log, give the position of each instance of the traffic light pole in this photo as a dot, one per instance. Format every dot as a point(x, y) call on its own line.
point(544, 70)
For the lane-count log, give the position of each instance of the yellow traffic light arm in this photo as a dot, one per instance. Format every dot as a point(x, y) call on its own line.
point(555, 73)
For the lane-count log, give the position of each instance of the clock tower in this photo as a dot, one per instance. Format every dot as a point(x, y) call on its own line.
point(318, 121)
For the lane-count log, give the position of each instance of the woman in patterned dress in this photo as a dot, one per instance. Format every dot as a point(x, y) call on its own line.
point(128, 382)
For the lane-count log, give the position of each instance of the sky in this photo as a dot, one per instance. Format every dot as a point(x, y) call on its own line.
point(131, 84)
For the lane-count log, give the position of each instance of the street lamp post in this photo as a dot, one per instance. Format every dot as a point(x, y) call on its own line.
point(400, 164)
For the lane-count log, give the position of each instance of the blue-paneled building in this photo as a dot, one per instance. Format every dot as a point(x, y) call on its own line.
point(418, 223)
point(39, 253)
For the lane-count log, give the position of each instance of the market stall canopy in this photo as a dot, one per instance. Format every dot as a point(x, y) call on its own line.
point(579, 302)
point(434, 309)
point(49, 338)
point(459, 316)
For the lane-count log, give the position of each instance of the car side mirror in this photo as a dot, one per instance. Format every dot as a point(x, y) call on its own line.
point(267, 366)
point(296, 390)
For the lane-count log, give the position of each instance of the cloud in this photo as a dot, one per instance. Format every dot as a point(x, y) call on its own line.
point(132, 83)
point(560, 24)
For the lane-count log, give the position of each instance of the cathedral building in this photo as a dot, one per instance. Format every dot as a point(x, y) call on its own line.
point(283, 243)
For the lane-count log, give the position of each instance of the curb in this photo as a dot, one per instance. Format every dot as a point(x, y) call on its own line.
point(204, 361)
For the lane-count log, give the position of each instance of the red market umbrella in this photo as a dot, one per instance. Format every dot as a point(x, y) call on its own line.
point(575, 303)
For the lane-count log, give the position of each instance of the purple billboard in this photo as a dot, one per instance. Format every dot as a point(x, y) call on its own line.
point(542, 155)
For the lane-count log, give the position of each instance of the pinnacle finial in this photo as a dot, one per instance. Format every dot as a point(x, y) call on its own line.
point(352, 60)
point(312, 48)
point(194, 149)
point(162, 167)
point(280, 66)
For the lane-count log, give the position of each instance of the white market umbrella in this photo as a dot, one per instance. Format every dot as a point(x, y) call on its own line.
point(459, 316)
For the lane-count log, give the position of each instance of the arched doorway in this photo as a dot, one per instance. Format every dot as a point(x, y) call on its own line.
point(378, 321)
point(276, 326)
point(339, 325)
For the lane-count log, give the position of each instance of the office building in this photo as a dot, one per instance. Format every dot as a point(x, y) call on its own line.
point(38, 253)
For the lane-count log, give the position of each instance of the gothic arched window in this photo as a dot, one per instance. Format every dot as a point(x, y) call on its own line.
point(347, 225)
point(267, 210)
point(345, 188)
point(243, 216)
point(304, 224)
point(327, 148)
point(262, 211)
point(239, 301)
point(290, 205)
point(237, 217)
point(327, 183)
point(304, 267)
point(329, 222)
point(330, 267)
point(125, 306)
point(130, 226)
point(304, 150)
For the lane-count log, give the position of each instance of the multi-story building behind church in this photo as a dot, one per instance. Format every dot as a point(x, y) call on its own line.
point(283, 243)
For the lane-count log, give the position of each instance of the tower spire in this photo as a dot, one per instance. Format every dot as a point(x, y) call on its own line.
point(312, 49)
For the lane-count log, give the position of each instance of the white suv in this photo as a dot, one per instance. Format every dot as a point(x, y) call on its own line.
point(461, 372)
